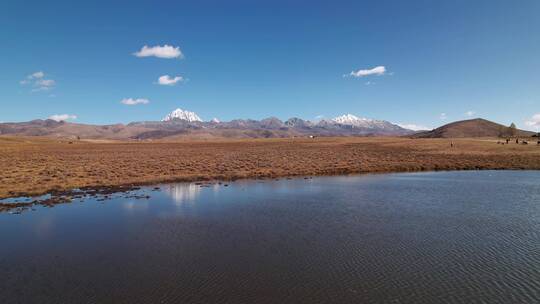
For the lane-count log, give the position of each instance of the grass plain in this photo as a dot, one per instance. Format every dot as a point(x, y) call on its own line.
point(34, 165)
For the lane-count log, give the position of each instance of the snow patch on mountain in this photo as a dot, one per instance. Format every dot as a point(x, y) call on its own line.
point(349, 119)
point(352, 120)
point(180, 114)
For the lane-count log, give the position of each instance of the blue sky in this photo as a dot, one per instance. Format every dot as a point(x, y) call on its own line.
point(255, 59)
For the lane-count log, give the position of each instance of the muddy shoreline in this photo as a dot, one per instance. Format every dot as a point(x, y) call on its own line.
point(68, 196)
point(32, 168)
point(104, 193)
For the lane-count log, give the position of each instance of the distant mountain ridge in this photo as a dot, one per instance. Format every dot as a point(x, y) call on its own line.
point(183, 123)
point(477, 127)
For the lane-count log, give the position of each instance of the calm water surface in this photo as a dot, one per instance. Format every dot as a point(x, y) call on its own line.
point(458, 237)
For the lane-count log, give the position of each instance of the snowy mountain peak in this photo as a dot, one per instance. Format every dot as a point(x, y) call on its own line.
point(215, 120)
point(357, 122)
point(349, 119)
point(180, 114)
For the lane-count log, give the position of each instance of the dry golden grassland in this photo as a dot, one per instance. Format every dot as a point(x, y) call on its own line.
point(31, 166)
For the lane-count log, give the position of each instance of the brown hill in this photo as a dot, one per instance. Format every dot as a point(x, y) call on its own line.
point(473, 128)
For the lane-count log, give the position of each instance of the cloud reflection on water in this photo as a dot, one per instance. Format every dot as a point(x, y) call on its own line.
point(183, 193)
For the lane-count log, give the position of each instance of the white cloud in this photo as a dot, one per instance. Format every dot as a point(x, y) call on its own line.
point(38, 74)
point(45, 82)
point(136, 101)
point(166, 51)
point(379, 70)
point(62, 117)
point(470, 113)
point(170, 81)
point(414, 127)
point(534, 122)
point(39, 89)
point(38, 82)
point(443, 116)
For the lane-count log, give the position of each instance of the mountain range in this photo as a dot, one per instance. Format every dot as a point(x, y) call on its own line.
point(185, 124)
point(182, 123)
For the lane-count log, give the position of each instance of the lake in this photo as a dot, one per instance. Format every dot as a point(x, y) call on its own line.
point(445, 237)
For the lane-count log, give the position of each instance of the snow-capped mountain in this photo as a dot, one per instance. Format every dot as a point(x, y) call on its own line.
point(349, 119)
point(215, 120)
point(180, 114)
point(352, 120)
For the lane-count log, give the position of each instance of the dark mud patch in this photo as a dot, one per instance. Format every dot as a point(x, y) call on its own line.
point(24, 202)
point(101, 194)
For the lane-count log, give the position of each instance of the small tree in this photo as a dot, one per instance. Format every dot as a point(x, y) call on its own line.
point(513, 129)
